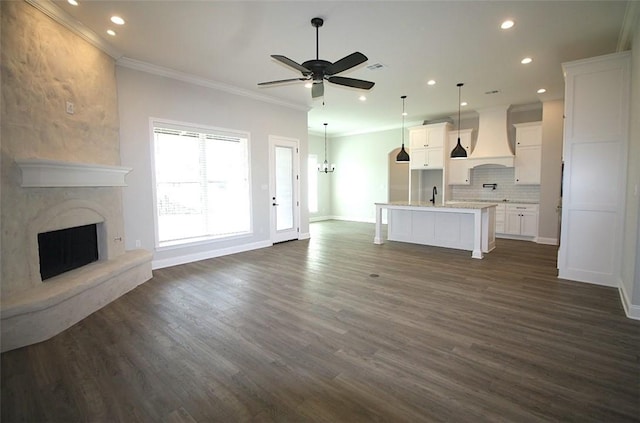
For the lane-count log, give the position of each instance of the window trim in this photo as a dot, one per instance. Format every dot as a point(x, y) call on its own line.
point(204, 240)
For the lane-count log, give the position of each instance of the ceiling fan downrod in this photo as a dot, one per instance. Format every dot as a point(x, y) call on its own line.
point(317, 23)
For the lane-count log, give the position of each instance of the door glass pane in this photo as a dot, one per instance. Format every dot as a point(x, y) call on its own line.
point(284, 188)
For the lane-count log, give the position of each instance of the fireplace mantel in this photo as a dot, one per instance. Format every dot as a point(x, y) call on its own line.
point(44, 173)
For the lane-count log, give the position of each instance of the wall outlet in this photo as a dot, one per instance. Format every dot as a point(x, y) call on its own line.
point(138, 244)
point(70, 108)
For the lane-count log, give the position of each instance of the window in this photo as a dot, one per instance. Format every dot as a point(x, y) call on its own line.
point(313, 183)
point(201, 182)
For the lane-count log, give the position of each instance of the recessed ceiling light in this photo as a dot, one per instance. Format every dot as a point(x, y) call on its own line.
point(72, 2)
point(526, 60)
point(404, 113)
point(507, 24)
point(362, 98)
point(111, 32)
point(464, 103)
point(117, 20)
point(542, 91)
point(308, 84)
point(431, 82)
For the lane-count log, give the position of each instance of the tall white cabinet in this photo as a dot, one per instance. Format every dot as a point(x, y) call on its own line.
point(595, 164)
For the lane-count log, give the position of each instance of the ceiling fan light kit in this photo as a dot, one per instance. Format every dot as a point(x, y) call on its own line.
point(318, 70)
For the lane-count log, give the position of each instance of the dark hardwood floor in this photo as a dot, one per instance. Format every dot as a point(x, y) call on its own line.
point(337, 329)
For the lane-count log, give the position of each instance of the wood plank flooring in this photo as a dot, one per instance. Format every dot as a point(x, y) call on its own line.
point(337, 329)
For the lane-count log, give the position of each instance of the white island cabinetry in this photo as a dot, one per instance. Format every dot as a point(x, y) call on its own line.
point(464, 226)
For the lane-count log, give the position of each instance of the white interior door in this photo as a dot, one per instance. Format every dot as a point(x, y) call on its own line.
point(284, 181)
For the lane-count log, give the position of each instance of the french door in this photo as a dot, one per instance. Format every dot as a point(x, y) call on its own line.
point(284, 164)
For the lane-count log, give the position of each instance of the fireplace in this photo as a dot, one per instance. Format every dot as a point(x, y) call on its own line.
point(65, 206)
point(67, 249)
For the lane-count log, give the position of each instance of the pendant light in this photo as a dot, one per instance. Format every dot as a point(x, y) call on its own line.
point(403, 156)
point(324, 167)
point(459, 152)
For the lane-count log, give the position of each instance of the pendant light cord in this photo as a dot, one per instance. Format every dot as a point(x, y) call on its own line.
point(459, 105)
point(325, 142)
point(403, 97)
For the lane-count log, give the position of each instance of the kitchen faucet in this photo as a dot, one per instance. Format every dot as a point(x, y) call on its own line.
point(433, 196)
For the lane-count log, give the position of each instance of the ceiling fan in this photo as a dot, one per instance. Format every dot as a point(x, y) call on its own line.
point(317, 70)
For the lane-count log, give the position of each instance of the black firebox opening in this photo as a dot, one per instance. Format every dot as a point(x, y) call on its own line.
point(67, 249)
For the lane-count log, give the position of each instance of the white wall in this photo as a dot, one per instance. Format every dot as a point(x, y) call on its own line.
point(550, 178)
point(362, 173)
point(142, 96)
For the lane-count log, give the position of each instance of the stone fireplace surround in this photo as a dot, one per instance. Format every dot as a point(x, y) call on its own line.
point(47, 308)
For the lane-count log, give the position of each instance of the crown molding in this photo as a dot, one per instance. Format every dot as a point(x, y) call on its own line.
point(629, 26)
point(203, 82)
point(57, 14)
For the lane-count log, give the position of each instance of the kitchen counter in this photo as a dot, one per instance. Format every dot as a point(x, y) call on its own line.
point(460, 225)
point(503, 201)
point(447, 205)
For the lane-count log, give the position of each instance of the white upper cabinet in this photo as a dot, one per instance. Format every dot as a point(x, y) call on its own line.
point(528, 160)
point(427, 146)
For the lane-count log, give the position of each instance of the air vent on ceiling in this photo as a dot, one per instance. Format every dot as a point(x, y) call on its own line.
point(375, 66)
point(492, 92)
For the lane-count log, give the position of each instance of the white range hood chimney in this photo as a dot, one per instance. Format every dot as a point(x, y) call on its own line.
point(492, 145)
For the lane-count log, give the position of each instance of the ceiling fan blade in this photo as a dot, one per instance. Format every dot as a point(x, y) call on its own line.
point(347, 62)
point(291, 64)
point(351, 82)
point(282, 81)
point(317, 90)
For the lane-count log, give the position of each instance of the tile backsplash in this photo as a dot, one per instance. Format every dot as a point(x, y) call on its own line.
point(506, 188)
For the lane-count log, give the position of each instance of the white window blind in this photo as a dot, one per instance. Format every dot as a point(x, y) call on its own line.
point(202, 184)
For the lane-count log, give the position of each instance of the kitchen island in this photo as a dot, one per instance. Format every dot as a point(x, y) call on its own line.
point(464, 226)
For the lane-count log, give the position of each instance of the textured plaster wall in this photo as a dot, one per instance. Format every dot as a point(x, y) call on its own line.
point(43, 66)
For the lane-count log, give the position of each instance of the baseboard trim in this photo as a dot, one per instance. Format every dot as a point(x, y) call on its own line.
point(547, 241)
point(305, 235)
point(190, 258)
point(353, 219)
point(631, 310)
point(319, 218)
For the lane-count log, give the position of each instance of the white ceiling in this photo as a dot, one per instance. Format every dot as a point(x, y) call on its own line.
point(231, 42)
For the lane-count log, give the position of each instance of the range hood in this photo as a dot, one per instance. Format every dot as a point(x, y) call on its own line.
point(492, 146)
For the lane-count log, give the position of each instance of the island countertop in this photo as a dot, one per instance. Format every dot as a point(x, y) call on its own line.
point(453, 205)
point(461, 225)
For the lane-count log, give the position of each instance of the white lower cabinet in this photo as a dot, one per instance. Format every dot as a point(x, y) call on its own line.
point(521, 219)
